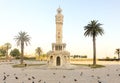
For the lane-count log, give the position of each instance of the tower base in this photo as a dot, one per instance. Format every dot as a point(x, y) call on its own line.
point(58, 59)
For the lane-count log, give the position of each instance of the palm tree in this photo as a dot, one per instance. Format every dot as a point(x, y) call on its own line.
point(117, 51)
point(93, 29)
point(21, 39)
point(7, 47)
point(38, 51)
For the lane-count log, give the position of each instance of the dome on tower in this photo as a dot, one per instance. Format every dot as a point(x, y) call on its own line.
point(59, 10)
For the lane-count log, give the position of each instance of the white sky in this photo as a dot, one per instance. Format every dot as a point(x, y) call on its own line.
point(37, 17)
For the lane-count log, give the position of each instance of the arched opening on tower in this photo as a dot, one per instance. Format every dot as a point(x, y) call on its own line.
point(58, 61)
point(51, 57)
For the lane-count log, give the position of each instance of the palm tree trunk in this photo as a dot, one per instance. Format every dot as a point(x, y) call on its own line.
point(94, 51)
point(39, 55)
point(6, 53)
point(22, 52)
point(6, 56)
point(118, 55)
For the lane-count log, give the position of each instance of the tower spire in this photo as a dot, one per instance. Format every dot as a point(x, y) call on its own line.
point(59, 2)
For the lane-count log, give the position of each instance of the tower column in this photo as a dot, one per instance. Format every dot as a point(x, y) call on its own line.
point(59, 25)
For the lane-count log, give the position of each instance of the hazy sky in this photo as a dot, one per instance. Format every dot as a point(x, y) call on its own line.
point(37, 18)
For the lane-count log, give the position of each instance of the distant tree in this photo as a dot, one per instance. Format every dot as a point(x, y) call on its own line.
point(15, 53)
point(117, 51)
point(7, 46)
point(22, 39)
point(44, 55)
point(38, 51)
point(2, 51)
point(107, 57)
point(84, 56)
point(93, 29)
point(114, 57)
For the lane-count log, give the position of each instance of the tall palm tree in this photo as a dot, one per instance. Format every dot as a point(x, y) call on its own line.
point(7, 47)
point(93, 29)
point(117, 51)
point(38, 51)
point(22, 39)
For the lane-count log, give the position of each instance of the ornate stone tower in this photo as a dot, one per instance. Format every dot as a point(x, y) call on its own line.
point(58, 57)
point(59, 25)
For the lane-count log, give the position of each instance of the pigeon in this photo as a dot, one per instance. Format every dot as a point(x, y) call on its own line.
point(8, 75)
point(92, 76)
point(4, 73)
point(39, 81)
point(64, 76)
point(53, 73)
point(75, 80)
point(98, 77)
point(99, 81)
point(16, 77)
point(4, 78)
point(25, 65)
point(33, 77)
point(119, 74)
point(108, 75)
point(29, 78)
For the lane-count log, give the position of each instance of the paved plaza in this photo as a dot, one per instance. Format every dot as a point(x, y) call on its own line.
point(42, 74)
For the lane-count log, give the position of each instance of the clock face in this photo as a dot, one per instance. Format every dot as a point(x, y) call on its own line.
point(58, 18)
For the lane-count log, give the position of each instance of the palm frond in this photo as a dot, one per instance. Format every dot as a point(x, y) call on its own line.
point(93, 28)
point(22, 37)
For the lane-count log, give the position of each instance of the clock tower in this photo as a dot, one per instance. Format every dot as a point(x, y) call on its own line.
point(58, 57)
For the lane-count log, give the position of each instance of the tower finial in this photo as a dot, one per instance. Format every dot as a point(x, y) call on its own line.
point(59, 10)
